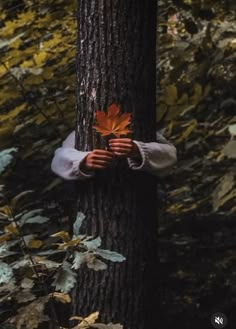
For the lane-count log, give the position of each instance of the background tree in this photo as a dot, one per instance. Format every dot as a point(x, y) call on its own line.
point(116, 64)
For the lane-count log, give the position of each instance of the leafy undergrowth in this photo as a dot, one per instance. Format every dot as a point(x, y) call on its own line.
point(197, 101)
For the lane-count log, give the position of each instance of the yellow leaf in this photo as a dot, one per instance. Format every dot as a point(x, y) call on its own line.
point(62, 235)
point(9, 28)
point(183, 100)
point(85, 322)
point(197, 94)
point(228, 197)
point(171, 95)
point(5, 210)
point(54, 41)
point(27, 64)
point(26, 17)
point(187, 131)
point(232, 43)
point(12, 229)
point(40, 58)
point(180, 190)
point(33, 80)
point(61, 297)
point(3, 70)
point(38, 119)
point(3, 15)
point(6, 94)
point(224, 191)
point(71, 243)
point(13, 113)
point(14, 57)
point(35, 244)
point(16, 44)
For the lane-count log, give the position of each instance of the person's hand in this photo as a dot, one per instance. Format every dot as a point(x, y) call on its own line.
point(97, 159)
point(124, 147)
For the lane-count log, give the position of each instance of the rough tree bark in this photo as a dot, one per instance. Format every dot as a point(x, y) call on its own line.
point(116, 63)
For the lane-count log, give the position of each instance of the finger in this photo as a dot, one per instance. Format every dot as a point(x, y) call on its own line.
point(119, 154)
point(102, 157)
point(96, 165)
point(119, 146)
point(121, 149)
point(102, 152)
point(120, 140)
point(101, 162)
point(121, 143)
point(99, 167)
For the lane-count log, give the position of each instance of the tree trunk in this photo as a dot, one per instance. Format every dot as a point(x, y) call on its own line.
point(116, 64)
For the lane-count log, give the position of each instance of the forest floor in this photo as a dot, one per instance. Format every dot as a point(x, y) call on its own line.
point(198, 270)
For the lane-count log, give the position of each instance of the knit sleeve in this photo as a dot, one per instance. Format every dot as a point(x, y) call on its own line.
point(66, 161)
point(156, 157)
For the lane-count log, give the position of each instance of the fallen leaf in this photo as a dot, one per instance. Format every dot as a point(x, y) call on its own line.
point(27, 283)
point(85, 322)
point(61, 297)
point(24, 296)
point(31, 315)
point(223, 188)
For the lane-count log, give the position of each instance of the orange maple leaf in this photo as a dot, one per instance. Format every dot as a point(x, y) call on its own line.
point(113, 122)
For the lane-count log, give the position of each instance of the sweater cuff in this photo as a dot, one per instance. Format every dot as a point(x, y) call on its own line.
point(138, 164)
point(76, 171)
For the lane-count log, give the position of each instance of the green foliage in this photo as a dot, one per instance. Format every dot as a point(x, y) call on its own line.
point(197, 111)
point(196, 100)
point(65, 279)
point(6, 158)
point(78, 222)
point(110, 255)
point(29, 257)
point(92, 245)
point(6, 273)
point(37, 70)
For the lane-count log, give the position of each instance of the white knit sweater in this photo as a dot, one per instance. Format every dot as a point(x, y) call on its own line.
point(157, 158)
